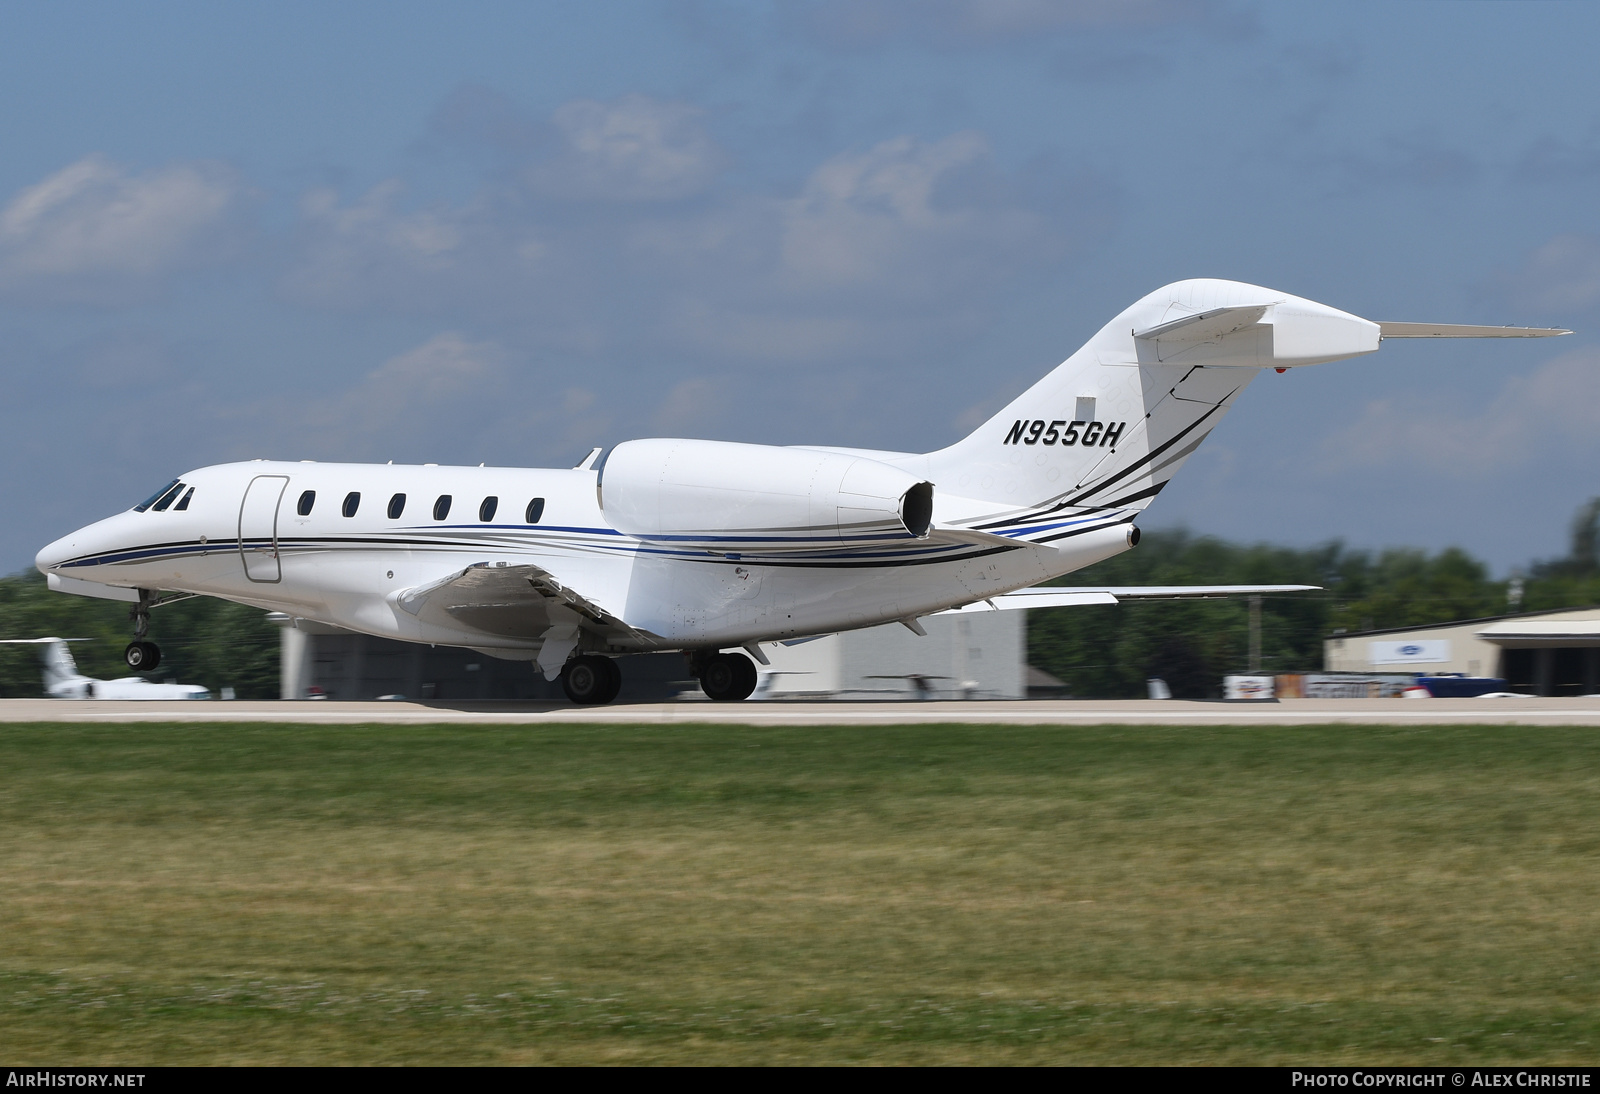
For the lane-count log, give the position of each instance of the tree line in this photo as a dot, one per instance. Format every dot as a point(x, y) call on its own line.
point(1111, 652)
point(1101, 652)
point(203, 640)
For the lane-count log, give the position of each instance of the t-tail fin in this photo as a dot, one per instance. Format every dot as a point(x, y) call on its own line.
point(55, 658)
point(1110, 426)
point(59, 666)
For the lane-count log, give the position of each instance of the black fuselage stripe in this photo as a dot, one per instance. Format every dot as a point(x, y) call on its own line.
point(180, 549)
point(1153, 454)
point(1081, 531)
point(1147, 492)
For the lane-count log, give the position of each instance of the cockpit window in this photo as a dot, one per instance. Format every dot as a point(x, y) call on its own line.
point(308, 498)
point(183, 503)
point(486, 510)
point(535, 510)
point(441, 508)
point(153, 498)
point(397, 505)
point(167, 499)
point(352, 502)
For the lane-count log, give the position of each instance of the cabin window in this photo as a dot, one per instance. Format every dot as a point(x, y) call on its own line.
point(397, 505)
point(153, 498)
point(441, 508)
point(486, 510)
point(352, 502)
point(535, 510)
point(167, 499)
point(307, 499)
point(183, 503)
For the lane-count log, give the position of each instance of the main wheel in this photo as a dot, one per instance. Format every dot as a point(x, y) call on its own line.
point(614, 683)
point(590, 679)
point(142, 656)
point(728, 677)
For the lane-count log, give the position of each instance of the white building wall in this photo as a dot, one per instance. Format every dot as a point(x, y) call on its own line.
point(1467, 652)
point(294, 663)
point(978, 655)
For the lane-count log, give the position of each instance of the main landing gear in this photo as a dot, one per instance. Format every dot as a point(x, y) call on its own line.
point(725, 677)
point(591, 679)
point(140, 655)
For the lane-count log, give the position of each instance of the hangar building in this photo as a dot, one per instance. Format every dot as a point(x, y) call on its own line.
point(978, 655)
point(1539, 653)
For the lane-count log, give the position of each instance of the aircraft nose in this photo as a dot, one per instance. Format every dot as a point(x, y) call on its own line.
point(53, 555)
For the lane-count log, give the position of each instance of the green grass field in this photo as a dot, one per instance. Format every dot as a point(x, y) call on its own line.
point(945, 894)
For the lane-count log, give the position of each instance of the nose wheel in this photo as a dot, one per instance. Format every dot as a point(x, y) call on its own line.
point(142, 656)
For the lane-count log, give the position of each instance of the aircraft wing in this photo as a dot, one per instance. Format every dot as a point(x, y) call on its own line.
point(519, 601)
point(1060, 596)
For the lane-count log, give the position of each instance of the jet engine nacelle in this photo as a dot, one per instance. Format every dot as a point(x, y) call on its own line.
point(759, 495)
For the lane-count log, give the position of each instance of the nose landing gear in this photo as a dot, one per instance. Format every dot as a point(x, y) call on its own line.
point(142, 656)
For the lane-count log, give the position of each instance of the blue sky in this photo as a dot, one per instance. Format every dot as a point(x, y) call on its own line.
point(507, 233)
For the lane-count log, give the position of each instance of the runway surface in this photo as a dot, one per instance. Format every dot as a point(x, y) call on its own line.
point(1577, 711)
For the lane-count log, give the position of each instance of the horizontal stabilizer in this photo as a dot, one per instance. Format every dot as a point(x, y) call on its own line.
point(1464, 330)
point(1060, 596)
point(1206, 325)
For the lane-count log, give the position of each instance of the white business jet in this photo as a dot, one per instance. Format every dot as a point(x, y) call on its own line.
point(707, 546)
point(62, 680)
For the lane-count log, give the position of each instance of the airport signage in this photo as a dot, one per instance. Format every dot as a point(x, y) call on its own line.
point(1408, 652)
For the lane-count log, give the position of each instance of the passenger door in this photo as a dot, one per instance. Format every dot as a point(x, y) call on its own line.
point(258, 528)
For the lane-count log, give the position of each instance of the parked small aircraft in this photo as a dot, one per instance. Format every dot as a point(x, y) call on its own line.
point(62, 680)
point(709, 546)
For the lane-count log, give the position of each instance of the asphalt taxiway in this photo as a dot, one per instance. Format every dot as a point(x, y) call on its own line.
point(1286, 712)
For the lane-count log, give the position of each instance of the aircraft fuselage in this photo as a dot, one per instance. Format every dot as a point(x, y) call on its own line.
point(244, 537)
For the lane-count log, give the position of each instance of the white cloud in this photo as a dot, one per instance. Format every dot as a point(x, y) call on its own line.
point(431, 385)
point(443, 367)
point(876, 219)
point(1420, 158)
point(693, 405)
point(353, 250)
point(444, 389)
point(1561, 159)
point(455, 393)
point(1562, 275)
point(633, 149)
point(877, 251)
point(95, 231)
point(1547, 416)
point(885, 251)
point(967, 24)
